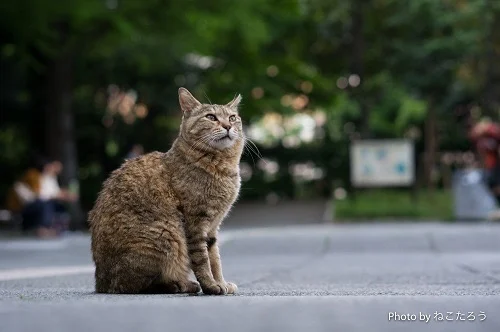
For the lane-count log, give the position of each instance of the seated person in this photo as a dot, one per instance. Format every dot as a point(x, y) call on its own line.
point(51, 191)
point(24, 198)
point(38, 197)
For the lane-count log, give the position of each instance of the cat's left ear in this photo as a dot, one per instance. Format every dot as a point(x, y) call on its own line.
point(235, 102)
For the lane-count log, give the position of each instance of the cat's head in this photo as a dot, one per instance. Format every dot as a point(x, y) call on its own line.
point(216, 126)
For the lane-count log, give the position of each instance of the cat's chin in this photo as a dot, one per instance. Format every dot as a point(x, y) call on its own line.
point(223, 143)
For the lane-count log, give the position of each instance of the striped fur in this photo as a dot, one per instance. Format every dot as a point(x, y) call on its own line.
point(157, 216)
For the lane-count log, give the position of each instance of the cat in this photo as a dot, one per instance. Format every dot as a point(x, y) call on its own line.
point(157, 217)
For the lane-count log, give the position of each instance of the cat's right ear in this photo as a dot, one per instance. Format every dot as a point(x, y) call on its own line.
point(187, 101)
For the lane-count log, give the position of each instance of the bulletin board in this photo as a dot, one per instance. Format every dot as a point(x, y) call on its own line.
point(382, 163)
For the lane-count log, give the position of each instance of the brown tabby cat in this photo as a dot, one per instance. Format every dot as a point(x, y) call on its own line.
point(158, 215)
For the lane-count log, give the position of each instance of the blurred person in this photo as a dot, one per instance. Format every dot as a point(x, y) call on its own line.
point(39, 199)
point(24, 198)
point(51, 191)
point(486, 137)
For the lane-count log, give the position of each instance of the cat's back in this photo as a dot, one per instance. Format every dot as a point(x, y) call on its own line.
point(136, 175)
point(136, 187)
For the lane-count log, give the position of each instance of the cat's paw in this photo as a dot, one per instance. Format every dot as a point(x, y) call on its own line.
point(191, 287)
point(215, 289)
point(231, 288)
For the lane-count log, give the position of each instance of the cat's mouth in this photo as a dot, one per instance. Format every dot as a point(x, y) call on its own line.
point(223, 138)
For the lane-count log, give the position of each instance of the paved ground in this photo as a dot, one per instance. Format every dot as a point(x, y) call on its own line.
point(296, 278)
point(285, 213)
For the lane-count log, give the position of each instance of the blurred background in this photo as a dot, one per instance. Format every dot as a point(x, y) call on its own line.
point(90, 83)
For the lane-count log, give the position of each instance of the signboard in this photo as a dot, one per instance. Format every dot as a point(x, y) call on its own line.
point(381, 163)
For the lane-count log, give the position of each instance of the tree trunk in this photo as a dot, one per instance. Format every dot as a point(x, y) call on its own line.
point(430, 141)
point(59, 121)
point(491, 90)
point(357, 63)
point(59, 134)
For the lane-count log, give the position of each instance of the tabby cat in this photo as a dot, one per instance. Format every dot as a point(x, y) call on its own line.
point(158, 215)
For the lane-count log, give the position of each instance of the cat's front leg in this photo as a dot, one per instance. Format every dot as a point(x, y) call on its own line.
point(200, 263)
point(215, 262)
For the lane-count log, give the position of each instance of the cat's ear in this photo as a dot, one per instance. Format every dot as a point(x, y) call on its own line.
point(235, 102)
point(187, 101)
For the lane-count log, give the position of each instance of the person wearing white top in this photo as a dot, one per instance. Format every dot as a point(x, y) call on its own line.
point(51, 191)
point(49, 186)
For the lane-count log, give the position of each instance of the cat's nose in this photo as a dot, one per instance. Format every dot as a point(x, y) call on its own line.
point(226, 126)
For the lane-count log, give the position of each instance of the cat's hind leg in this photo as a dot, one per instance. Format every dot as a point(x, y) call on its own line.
point(132, 273)
point(176, 267)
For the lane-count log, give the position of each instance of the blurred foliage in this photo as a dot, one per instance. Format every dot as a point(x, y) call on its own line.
point(408, 55)
point(13, 145)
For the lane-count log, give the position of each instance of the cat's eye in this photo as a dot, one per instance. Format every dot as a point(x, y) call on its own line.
point(211, 117)
point(232, 118)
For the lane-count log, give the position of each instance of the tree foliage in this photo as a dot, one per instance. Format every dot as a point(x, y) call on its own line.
point(374, 67)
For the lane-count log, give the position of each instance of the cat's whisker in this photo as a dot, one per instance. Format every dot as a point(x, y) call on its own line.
point(212, 140)
point(258, 154)
point(209, 101)
point(202, 139)
point(205, 139)
point(250, 154)
point(255, 146)
point(251, 149)
point(194, 146)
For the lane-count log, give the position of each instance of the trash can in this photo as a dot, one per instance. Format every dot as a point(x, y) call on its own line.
point(472, 199)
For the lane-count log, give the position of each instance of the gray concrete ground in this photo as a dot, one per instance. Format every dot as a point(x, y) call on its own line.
point(363, 277)
point(285, 213)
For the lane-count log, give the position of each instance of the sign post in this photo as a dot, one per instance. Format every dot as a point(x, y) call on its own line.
point(382, 163)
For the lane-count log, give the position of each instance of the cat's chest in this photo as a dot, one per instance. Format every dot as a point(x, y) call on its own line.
point(218, 191)
point(222, 189)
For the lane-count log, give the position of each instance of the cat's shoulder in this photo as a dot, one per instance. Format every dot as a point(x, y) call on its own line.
point(150, 161)
point(151, 157)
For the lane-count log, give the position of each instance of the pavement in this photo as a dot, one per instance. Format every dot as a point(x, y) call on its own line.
point(302, 277)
